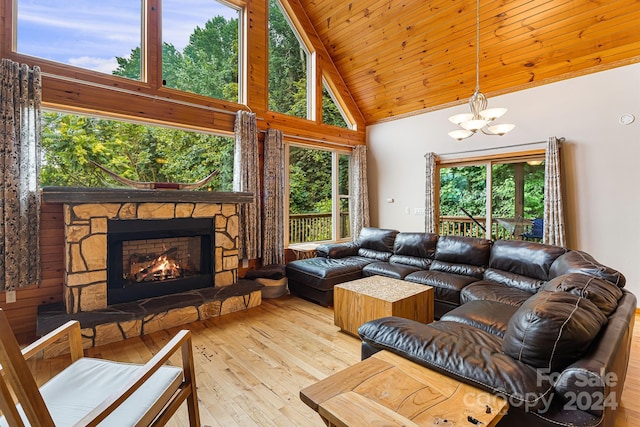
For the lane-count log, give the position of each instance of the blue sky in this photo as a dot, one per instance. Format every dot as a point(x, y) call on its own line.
point(90, 34)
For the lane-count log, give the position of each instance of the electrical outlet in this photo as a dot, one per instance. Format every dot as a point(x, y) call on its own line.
point(10, 297)
point(418, 211)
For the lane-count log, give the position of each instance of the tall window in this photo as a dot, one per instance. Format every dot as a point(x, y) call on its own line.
point(200, 48)
point(137, 152)
point(87, 34)
point(318, 195)
point(289, 66)
point(496, 199)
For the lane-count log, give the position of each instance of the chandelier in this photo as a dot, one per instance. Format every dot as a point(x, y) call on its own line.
point(481, 117)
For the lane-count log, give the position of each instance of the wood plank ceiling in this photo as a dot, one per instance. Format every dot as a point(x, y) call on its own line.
point(400, 57)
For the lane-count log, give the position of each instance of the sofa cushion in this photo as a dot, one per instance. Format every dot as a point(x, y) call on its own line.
point(322, 273)
point(492, 291)
point(460, 269)
point(581, 262)
point(374, 255)
point(377, 239)
point(490, 316)
point(552, 329)
point(604, 294)
point(419, 245)
point(418, 263)
point(463, 250)
point(337, 250)
point(525, 258)
point(446, 286)
point(388, 269)
point(513, 280)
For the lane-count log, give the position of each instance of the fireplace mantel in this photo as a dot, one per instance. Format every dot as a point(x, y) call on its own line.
point(80, 195)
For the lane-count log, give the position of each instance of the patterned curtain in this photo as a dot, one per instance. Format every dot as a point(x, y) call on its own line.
point(554, 232)
point(359, 200)
point(20, 98)
point(245, 178)
point(273, 199)
point(430, 194)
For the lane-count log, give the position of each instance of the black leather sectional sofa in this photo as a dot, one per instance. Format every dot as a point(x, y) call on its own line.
point(546, 327)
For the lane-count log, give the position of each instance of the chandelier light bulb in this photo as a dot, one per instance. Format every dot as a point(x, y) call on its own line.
point(460, 134)
point(459, 118)
point(474, 125)
point(492, 113)
point(501, 129)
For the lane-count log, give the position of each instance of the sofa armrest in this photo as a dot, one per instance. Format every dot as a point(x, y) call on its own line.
point(597, 379)
point(337, 250)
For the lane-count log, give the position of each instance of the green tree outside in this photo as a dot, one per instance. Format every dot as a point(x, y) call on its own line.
point(465, 188)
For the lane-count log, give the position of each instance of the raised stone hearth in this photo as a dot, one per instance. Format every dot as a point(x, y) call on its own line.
point(122, 321)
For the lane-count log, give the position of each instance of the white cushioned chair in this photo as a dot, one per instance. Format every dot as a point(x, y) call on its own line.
point(93, 391)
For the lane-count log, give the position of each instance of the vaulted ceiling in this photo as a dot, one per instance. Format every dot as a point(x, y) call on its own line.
point(399, 57)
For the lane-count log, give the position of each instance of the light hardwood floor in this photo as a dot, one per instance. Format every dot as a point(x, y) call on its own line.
point(251, 365)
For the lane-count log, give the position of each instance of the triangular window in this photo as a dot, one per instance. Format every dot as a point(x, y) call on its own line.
point(332, 112)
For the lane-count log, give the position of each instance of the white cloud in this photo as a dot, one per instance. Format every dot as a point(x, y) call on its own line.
point(89, 31)
point(103, 65)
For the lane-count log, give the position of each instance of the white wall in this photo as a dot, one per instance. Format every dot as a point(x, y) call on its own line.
point(601, 160)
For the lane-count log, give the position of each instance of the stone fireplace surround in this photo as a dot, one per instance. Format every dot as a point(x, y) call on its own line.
point(86, 212)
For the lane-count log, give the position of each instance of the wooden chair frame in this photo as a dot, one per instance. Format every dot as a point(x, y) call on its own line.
point(19, 380)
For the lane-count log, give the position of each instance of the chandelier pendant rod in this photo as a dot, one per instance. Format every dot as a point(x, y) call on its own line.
point(477, 45)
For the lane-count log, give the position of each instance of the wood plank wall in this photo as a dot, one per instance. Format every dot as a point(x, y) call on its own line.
point(22, 314)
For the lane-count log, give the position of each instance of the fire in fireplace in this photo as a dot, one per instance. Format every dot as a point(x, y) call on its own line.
point(149, 258)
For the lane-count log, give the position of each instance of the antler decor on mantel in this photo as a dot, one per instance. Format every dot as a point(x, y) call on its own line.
point(143, 185)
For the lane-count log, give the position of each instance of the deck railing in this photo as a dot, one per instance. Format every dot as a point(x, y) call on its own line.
point(315, 227)
point(464, 226)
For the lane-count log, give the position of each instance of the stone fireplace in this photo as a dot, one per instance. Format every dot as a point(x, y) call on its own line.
point(86, 246)
point(150, 258)
point(116, 282)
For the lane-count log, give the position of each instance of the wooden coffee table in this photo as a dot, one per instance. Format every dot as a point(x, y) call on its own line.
point(359, 301)
point(389, 390)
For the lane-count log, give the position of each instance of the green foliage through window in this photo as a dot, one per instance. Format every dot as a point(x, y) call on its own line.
point(311, 194)
point(465, 187)
point(331, 114)
point(208, 63)
point(287, 66)
point(134, 151)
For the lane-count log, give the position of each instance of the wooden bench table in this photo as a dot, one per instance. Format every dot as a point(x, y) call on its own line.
point(389, 390)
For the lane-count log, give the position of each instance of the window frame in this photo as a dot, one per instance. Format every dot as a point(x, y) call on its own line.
point(335, 197)
point(84, 91)
point(487, 162)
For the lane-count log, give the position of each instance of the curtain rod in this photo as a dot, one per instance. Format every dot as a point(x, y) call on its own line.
point(561, 139)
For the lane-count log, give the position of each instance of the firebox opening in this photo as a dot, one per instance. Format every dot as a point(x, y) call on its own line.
point(149, 258)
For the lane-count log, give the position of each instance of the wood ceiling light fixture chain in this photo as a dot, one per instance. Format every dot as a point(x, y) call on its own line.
point(481, 117)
